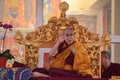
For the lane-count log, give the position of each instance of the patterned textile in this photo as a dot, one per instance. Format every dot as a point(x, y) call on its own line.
point(6, 74)
point(21, 73)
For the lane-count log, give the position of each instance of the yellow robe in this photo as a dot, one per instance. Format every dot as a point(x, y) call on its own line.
point(81, 60)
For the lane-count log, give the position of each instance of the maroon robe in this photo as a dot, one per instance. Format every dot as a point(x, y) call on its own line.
point(70, 58)
point(69, 61)
point(112, 70)
point(56, 72)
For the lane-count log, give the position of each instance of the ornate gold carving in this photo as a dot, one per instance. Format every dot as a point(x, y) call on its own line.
point(64, 6)
point(115, 78)
point(31, 56)
point(18, 37)
point(106, 38)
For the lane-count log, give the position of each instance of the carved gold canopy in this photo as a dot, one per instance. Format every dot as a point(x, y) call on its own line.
point(47, 35)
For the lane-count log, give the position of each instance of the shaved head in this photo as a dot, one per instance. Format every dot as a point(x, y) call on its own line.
point(68, 35)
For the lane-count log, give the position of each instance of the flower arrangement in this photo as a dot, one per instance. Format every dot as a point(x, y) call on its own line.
point(6, 53)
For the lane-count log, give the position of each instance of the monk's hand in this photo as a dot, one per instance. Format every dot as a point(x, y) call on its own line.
point(72, 50)
point(61, 39)
point(37, 74)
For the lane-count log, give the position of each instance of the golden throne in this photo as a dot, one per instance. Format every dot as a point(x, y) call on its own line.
point(47, 35)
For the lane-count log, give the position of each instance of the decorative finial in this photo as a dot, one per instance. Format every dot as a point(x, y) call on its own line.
point(64, 6)
point(106, 38)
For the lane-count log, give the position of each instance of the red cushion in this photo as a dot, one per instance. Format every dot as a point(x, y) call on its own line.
point(18, 64)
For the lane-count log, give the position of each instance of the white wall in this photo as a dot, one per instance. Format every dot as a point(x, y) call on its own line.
point(116, 30)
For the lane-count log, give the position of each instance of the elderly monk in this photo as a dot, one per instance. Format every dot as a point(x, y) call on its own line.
point(70, 58)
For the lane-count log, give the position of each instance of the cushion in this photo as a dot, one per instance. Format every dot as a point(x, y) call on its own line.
point(18, 64)
point(21, 73)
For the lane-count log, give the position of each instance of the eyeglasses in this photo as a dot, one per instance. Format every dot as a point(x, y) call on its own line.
point(71, 34)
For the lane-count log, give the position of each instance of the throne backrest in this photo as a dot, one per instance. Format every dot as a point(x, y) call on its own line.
point(47, 35)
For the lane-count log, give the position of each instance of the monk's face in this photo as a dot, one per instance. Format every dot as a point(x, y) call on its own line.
point(69, 36)
point(103, 60)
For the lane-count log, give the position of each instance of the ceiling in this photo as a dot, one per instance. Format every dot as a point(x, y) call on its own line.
point(78, 5)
